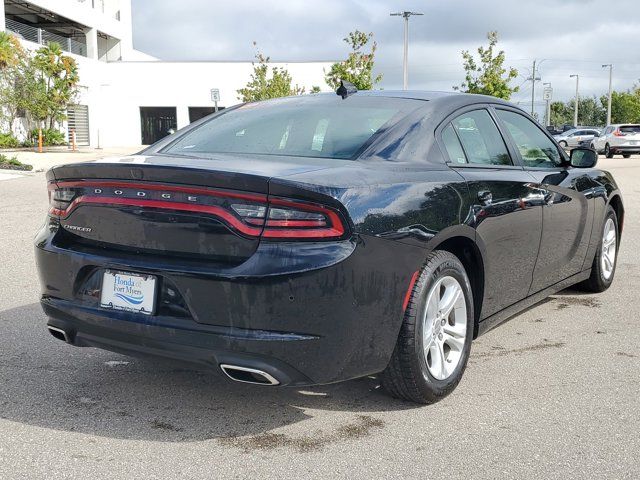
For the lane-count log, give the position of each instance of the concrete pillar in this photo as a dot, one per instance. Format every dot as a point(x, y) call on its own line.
point(92, 43)
point(182, 116)
point(126, 42)
point(2, 15)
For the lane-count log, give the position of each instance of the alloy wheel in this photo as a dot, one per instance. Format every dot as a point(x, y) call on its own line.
point(609, 245)
point(444, 327)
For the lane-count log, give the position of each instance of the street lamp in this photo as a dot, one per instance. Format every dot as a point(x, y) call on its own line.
point(405, 67)
point(609, 99)
point(575, 110)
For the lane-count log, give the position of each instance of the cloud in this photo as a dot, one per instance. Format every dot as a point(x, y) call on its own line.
point(568, 37)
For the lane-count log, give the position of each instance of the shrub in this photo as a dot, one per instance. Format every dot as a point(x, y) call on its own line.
point(13, 163)
point(50, 137)
point(7, 140)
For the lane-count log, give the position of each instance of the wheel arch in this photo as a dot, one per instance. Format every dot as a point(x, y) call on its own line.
point(470, 255)
point(618, 207)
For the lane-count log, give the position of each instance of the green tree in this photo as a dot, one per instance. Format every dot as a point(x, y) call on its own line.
point(625, 106)
point(591, 111)
point(358, 67)
point(13, 61)
point(11, 52)
point(264, 85)
point(56, 79)
point(487, 75)
point(560, 113)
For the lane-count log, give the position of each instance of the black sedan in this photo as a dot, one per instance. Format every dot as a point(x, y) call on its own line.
point(320, 238)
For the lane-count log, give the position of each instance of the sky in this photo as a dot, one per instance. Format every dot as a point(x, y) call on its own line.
point(564, 36)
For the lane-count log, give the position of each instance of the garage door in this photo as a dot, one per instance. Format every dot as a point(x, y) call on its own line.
point(78, 120)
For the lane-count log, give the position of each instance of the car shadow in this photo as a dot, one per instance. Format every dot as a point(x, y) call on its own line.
point(49, 384)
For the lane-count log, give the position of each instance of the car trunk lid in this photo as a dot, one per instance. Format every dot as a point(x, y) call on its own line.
point(203, 208)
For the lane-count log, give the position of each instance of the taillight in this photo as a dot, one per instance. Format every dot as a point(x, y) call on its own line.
point(60, 199)
point(292, 219)
point(618, 133)
point(253, 215)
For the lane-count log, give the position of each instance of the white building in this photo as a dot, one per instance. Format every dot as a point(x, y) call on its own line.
point(128, 97)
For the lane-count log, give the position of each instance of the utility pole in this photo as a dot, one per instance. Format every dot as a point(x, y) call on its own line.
point(405, 61)
point(609, 99)
point(575, 109)
point(533, 79)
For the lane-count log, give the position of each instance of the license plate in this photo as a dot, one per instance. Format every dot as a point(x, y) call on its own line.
point(130, 292)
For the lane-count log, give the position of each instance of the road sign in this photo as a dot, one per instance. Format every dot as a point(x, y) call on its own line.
point(547, 93)
point(215, 95)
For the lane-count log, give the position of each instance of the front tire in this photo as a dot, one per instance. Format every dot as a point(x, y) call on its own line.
point(607, 151)
point(603, 268)
point(626, 155)
point(434, 343)
point(563, 144)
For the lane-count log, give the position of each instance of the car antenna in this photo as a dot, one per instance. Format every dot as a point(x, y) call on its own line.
point(346, 88)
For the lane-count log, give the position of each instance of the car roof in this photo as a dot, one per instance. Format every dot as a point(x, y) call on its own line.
point(433, 95)
point(408, 94)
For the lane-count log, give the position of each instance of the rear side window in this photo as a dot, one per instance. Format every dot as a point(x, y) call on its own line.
point(481, 139)
point(536, 149)
point(630, 129)
point(452, 144)
point(309, 126)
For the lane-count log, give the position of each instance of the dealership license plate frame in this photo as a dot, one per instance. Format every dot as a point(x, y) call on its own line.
point(110, 299)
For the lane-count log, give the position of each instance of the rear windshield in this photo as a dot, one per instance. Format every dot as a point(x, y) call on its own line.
point(630, 129)
point(323, 126)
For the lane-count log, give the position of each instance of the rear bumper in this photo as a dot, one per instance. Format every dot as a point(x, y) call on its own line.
point(625, 148)
point(124, 333)
point(304, 313)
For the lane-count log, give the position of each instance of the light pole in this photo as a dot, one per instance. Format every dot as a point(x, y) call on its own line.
point(405, 66)
point(609, 99)
point(575, 109)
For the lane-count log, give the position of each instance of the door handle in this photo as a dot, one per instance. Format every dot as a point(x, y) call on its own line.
point(485, 197)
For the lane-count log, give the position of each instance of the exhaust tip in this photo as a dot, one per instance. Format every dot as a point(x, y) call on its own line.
point(248, 375)
point(58, 333)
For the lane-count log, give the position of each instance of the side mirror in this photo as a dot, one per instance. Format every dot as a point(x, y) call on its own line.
point(596, 134)
point(583, 157)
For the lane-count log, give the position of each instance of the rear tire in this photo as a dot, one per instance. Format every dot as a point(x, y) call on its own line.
point(434, 343)
point(607, 151)
point(626, 155)
point(562, 143)
point(603, 268)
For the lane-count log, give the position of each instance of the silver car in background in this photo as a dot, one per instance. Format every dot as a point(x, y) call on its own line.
point(577, 136)
point(623, 138)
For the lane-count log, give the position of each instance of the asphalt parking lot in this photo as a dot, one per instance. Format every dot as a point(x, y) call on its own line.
point(553, 393)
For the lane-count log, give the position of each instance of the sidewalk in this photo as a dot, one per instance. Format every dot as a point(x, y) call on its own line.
point(57, 156)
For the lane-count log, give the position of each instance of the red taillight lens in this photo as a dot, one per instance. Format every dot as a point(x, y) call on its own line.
point(250, 214)
point(60, 199)
point(291, 219)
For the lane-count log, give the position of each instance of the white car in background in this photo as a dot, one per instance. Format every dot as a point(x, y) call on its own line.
point(622, 138)
point(573, 138)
